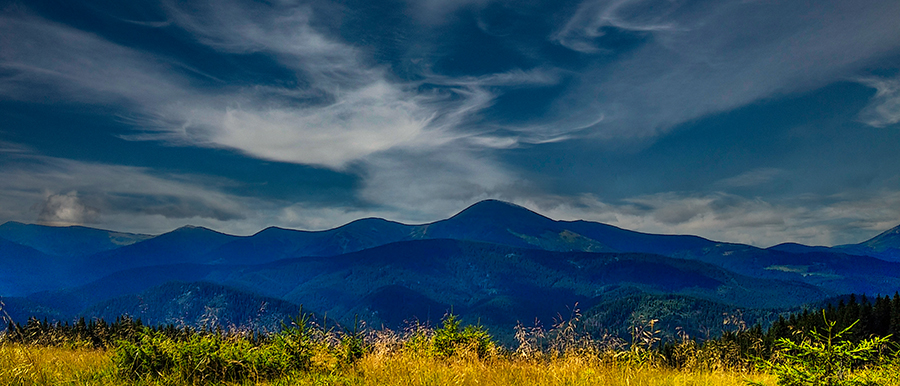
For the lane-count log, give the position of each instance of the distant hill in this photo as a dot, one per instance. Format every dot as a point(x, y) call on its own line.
point(199, 304)
point(25, 270)
point(798, 248)
point(494, 262)
point(885, 246)
point(185, 245)
point(67, 241)
point(424, 279)
point(617, 314)
point(275, 243)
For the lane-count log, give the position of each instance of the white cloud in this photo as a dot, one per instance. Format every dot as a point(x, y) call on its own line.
point(65, 192)
point(591, 17)
point(362, 122)
point(66, 209)
point(413, 145)
point(345, 110)
point(420, 189)
point(13, 148)
point(811, 220)
point(360, 113)
point(48, 62)
point(702, 58)
point(281, 29)
point(430, 185)
point(884, 109)
point(419, 146)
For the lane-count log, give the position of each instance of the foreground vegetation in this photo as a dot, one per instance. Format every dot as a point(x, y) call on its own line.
point(813, 348)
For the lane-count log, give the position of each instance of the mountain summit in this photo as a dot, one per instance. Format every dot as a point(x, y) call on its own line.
point(885, 240)
point(885, 246)
point(500, 222)
point(499, 211)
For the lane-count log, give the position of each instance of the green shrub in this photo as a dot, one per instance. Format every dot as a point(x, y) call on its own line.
point(293, 348)
point(450, 339)
point(353, 345)
point(822, 359)
point(202, 358)
point(150, 355)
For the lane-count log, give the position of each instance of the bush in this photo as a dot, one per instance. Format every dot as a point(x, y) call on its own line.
point(293, 348)
point(450, 339)
point(822, 359)
point(353, 345)
point(216, 357)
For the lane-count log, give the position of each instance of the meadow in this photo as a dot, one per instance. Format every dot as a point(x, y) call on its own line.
point(305, 353)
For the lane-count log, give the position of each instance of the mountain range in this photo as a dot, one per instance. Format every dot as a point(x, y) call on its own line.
point(495, 263)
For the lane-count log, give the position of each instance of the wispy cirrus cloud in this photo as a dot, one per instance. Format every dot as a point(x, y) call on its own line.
point(432, 184)
point(426, 143)
point(49, 62)
point(358, 113)
point(703, 58)
point(342, 110)
point(884, 108)
point(66, 192)
point(811, 219)
point(589, 20)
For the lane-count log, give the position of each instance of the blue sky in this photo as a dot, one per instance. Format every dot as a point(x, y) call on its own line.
point(747, 121)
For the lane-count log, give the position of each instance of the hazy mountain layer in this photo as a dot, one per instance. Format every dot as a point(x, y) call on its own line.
point(494, 262)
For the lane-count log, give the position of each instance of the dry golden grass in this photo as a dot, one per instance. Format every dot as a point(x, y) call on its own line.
point(415, 370)
point(33, 365)
point(30, 365)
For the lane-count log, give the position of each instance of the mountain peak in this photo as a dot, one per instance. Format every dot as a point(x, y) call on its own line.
point(188, 231)
point(193, 228)
point(887, 239)
point(499, 210)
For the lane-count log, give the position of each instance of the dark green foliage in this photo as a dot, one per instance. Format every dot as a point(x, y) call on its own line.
point(353, 345)
point(200, 359)
point(209, 357)
point(731, 350)
point(872, 325)
point(451, 339)
point(823, 358)
point(293, 346)
point(880, 318)
point(676, 315)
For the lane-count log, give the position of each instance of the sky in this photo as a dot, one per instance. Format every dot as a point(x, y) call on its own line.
point(747, 121)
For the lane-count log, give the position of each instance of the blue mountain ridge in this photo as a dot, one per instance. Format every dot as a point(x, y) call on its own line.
point(492, 259)
point(67, 241)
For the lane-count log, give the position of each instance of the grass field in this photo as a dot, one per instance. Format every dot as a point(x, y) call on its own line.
point(305, 354)
point(32, 365)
